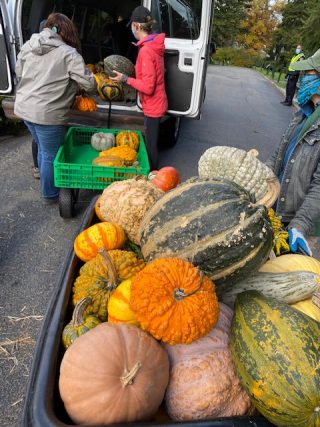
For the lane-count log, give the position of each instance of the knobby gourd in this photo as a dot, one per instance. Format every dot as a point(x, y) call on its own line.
point(243, 168)
point(129, 138)
point(127, 154)
point(174, 301)
point(203, 383)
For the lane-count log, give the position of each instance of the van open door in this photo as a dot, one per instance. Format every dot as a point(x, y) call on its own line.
point(6, 75)
point(187, 24)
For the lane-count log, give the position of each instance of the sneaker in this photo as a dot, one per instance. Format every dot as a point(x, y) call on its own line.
point(50, 200)
point(36, 172)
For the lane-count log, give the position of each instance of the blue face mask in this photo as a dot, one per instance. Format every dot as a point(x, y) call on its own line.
point(309, 86)
point(298, 51)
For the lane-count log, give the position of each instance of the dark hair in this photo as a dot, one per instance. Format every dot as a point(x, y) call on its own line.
point(65, 28)
point(146, 26)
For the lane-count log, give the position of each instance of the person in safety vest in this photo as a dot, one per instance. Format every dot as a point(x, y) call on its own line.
point(296, 161)
point(292, 77)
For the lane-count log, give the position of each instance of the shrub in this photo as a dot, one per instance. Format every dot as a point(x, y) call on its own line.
point(239, 57)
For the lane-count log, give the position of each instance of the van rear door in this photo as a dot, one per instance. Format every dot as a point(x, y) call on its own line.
point(6, 75)
point(187, 24)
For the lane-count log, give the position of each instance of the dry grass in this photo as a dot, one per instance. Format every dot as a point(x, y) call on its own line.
point(9, 348)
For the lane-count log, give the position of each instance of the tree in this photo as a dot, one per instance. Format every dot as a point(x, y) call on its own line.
point(260, 22)
point(228, 15)
point(311, 29)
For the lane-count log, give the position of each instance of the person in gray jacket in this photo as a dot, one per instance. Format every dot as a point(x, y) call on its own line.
point(50, 71)
point(296, 162)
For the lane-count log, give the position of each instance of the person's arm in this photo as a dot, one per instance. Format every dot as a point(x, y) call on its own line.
point(81, 74)
point(147, 83)
point(309, 211)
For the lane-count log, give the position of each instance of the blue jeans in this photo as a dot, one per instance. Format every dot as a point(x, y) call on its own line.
point(48, 139)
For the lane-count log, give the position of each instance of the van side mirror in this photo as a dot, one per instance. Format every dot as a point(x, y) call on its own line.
point(212, 48)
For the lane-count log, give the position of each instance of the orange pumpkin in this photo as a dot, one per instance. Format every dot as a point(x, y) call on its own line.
point(92, 68)
point(166, 178)
point(174, 301)
point(113, 374)
point(85, 103)
point(128, 138)
point(102, 235)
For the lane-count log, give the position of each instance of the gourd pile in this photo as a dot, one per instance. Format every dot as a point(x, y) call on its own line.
point(177, 305)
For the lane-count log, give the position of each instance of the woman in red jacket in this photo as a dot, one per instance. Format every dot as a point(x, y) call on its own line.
point(149, 81)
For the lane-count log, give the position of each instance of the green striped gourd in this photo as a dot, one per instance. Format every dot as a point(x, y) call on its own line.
point(287, 287)
point(276, 351)
point(214, 224)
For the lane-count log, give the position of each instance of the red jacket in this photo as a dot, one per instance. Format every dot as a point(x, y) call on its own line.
point(149, 81)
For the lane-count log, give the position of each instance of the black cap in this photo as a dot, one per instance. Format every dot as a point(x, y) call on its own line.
point(140, 15)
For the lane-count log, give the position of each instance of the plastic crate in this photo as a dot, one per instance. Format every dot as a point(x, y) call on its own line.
point(73, 163)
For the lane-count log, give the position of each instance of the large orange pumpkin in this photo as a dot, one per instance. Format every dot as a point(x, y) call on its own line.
point(174, 301)
point(102, 235)
point(113, 374)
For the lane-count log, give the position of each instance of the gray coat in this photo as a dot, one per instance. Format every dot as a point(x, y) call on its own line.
point(299, 199)
point(50, 73)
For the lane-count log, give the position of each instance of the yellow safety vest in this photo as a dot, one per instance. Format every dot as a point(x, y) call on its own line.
point(295, 59)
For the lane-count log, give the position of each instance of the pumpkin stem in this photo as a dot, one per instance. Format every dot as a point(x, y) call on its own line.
point(179, 294)
point(77, 315)
point(113, 278)
point(128, 377)
point(316, 298)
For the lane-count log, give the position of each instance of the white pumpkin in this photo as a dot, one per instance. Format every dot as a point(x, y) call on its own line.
point(102, 141)
point(243, 168)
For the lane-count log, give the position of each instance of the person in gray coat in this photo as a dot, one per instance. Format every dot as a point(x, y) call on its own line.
point(50, 71)
point(296, 162)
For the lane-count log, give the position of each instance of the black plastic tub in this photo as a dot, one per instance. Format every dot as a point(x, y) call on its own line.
point(43, 406)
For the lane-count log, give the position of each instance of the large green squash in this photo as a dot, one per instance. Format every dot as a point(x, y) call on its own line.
point(119, 63)
point(276, 351)
point(214, 224)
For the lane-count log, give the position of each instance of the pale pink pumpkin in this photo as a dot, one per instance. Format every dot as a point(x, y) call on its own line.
point(113, 374)
point(203, 382)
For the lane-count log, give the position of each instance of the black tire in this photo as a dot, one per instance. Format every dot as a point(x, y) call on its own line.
point(67, 200)
point(169, 133)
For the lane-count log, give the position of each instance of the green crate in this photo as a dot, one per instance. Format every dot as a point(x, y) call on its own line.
point(73, 168)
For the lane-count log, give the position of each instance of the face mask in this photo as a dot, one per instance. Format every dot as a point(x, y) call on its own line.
point(298, 51)
point(134, 33)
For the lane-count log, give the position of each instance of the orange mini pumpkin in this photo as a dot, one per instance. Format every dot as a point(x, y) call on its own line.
point(174, 301)
point(85, 103)
point(102, 235)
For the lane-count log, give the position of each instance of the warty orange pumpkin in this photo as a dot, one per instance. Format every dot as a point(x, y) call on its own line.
point(174, 301)
point(85, 103)
point(102, 235)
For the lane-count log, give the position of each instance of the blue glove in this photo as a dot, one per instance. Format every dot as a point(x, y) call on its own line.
point(298, 243)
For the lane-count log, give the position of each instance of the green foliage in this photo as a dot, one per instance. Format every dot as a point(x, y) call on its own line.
point(228, 15)
point(238, 57)
point(8, 126)
point(311, 29)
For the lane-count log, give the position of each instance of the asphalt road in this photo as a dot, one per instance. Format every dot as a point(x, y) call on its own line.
point(242, 109)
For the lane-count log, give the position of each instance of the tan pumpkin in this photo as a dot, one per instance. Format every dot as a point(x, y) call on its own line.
point(126, 203)
point(203, 381)
point(291, 262)
point(113, 374)
point(128, 138)
point(102, 235)
point(85, 103)
point(174, 301)
point(119, 310)
point(310, 306)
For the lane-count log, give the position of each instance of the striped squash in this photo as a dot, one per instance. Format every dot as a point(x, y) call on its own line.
point(212, 223)
point(119, 310)
point(129, 138)
point(288, 287)
point(102, 235)
point(276, 351)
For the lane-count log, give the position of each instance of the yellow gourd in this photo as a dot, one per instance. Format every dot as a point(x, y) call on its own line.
point(126, 153)
point(119, 310)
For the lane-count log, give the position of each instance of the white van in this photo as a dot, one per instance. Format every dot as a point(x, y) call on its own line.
point(102, 28)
